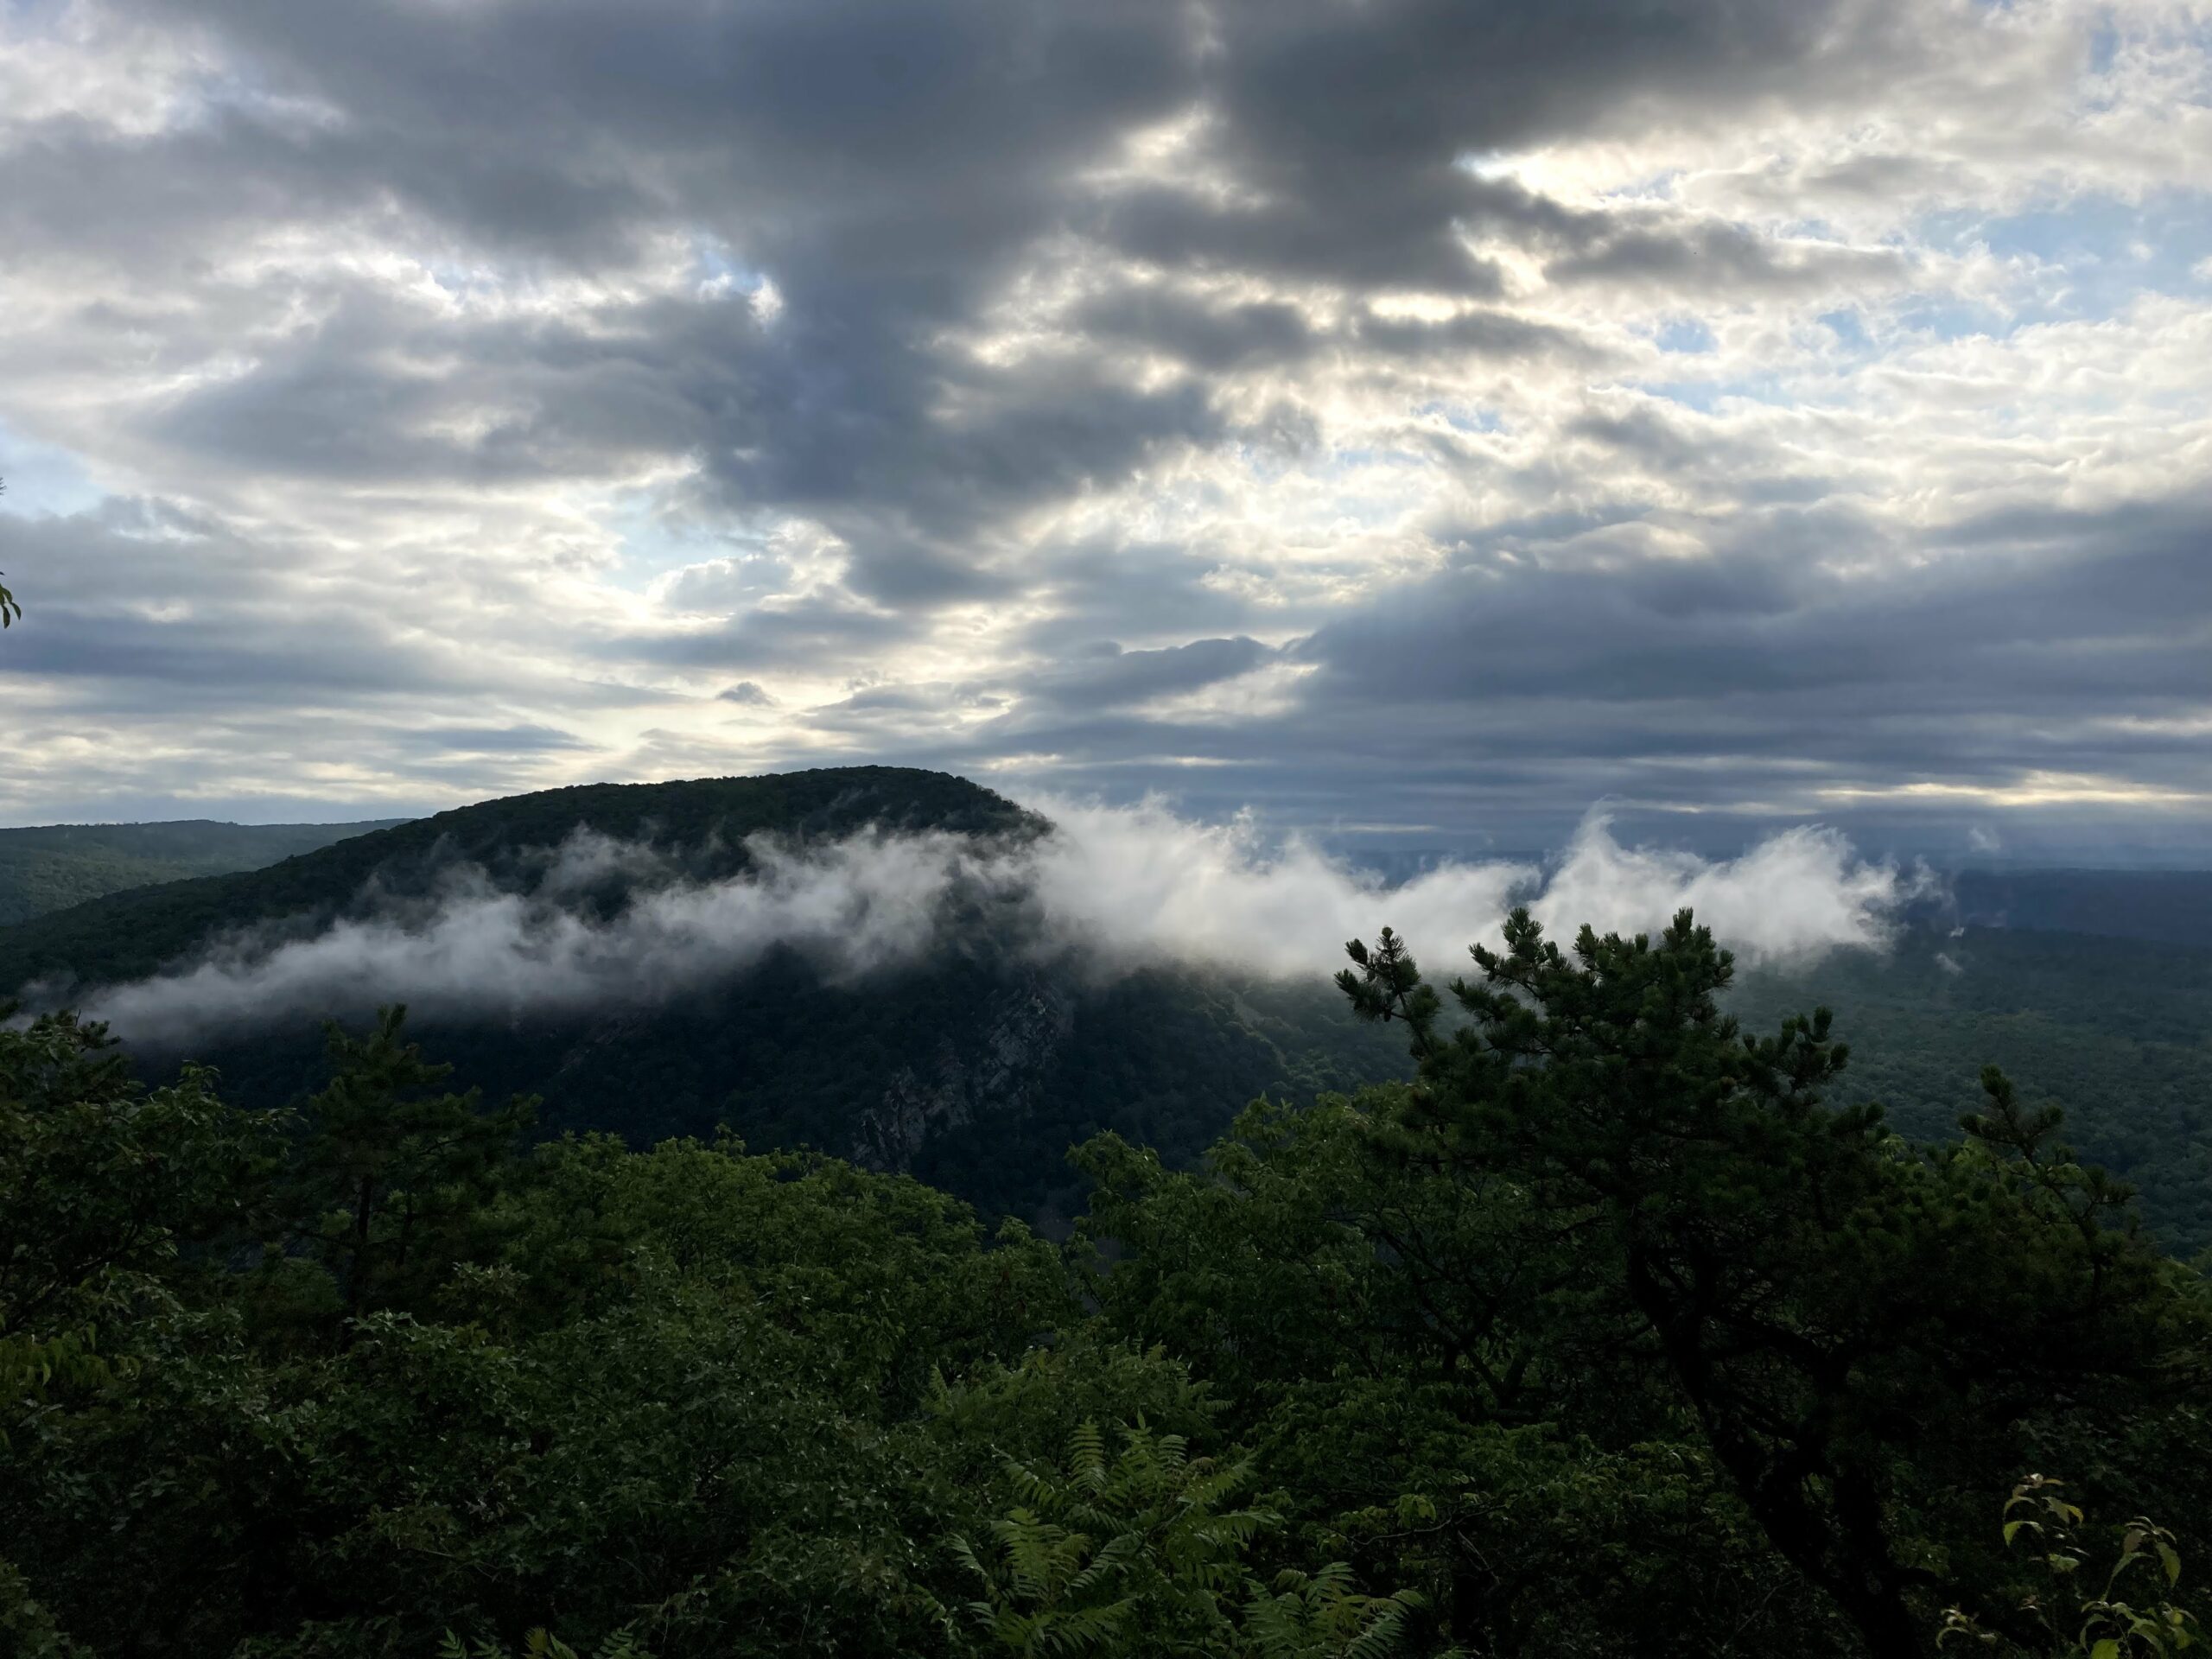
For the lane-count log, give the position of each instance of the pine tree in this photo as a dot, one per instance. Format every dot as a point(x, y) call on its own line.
point(1855, 1324)
point(391, 1171)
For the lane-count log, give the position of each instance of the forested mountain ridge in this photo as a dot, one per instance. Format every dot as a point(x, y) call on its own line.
point(2118, 1032)
point(2163, 906)
point(1625, 1332)
point(975, 1069)
point(131, 934)
point(55, 865)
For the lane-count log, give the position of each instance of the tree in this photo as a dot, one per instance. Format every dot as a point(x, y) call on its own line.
point(391, 1174)
point(1403, 1354)
point(116, 1201)
point(9, 609)
point(1855, 1325)
point(108, 1189)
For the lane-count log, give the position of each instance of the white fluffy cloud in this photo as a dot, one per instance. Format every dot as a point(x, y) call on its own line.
point(1110, 889)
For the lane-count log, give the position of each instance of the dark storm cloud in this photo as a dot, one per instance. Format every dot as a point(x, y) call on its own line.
point(880, 166)
point(2107, 610)
point(1351, 123)
point(2037, 657)
point(1029, 357)
point(1095, 590)
point(1308, 85)
point(558, 125)
point(1110, 677)
point(816, 633)
point(1213, 337)
point(883, 168)
point(160, 609)
point(1204, 336)
point(1723, 686)
point(1719, 257)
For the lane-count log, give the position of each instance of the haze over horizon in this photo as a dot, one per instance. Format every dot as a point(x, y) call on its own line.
point(1416, 422)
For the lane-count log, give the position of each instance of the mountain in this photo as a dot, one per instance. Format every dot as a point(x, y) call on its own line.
point(975, 1068)
point(129, 935)
point(2162, 906)
point(56, 865)
point(2116, 1029)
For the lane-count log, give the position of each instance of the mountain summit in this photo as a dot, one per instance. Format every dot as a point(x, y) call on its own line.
point(972, 1061)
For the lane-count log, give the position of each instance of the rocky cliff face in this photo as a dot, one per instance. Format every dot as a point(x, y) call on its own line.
point(998, 1071)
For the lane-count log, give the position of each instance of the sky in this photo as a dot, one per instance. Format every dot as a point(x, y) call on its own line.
point(1417, 421)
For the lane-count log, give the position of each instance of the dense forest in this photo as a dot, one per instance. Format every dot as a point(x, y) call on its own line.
point(1585, 1307)
point(1618, 1329)
point(2117, 1031)
point(56, 865)
point(976, 1070)
point(702, 824)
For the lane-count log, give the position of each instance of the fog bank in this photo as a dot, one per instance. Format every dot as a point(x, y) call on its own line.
point(1111, 889)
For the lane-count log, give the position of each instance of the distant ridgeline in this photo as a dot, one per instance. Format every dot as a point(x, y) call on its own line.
point(2164, 906)
point(1549, 1355)
point(60, 865)
point(2118, 1032)
point(975, 1069)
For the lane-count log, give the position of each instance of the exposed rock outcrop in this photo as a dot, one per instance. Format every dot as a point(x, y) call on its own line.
point(1001, 1071)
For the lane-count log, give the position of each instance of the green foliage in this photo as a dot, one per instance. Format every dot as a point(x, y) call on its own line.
point(1375, 1335)
point(389, 1175)
point(27, 1629)
point(2118, 1030)
point(1853, 1326)
point(106, 1191)
point(1137, 1552)
point(55, 867)
point(2063, 1619)
point(1607, 1335)
point(685, 1392)
point(541, 1644)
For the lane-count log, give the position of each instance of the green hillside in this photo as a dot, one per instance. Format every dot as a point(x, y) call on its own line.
point(129, 935)
point(2118, 1032)
point(2164, 906)
point(976, 1070)
point(1532, 1359)
point(331, 1383)
point(56, 865)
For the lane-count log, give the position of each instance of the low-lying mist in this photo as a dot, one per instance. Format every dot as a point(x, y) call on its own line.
point(1109, 890)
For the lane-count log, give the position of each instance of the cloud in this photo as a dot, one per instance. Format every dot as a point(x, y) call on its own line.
point(870, 901)
point(1107, 890)
point(1793, 896)
point(1107, 677)
point(1111, 391)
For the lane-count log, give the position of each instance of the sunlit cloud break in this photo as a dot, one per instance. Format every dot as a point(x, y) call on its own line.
point(1751, 411)
point(1109, 890)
